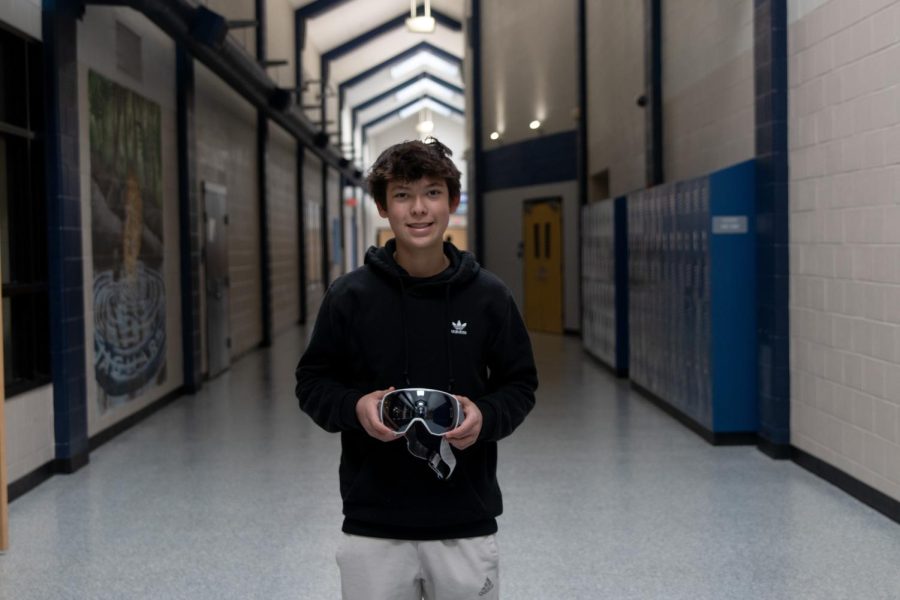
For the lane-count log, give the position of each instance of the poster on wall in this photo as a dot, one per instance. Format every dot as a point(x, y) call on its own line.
point(127, 236)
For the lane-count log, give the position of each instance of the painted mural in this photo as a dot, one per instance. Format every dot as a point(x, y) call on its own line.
point(127, 236)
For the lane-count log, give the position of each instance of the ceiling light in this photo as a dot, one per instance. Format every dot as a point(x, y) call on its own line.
point(534, 124)
point(495, 135)
point(420, 24)
point(425, 124)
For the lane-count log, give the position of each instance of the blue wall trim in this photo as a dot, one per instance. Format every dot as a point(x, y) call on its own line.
point(546, 159)
point(773, 353)
point(732, 259)
point(63, 189)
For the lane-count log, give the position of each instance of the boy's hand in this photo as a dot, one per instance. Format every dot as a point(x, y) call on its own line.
point(367, 412)
point(467, 433)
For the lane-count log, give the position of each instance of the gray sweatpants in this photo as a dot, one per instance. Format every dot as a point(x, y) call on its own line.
point(381, 569)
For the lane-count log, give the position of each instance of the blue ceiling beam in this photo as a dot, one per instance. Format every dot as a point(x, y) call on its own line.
point(395, 23)
point(408, 53)
point(314, 9)
point(398, 110)
point(397, 58)
point(386, 94)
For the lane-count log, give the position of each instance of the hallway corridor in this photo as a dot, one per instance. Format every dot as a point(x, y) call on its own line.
point(232, 493)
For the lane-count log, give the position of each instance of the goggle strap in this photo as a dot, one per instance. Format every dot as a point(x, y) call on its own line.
point(447, 456)
point(442, 463)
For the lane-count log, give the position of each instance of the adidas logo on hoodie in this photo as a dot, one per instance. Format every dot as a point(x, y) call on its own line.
point(458, 328)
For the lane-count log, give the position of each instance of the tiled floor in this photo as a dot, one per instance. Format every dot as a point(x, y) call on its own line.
point(232, 493)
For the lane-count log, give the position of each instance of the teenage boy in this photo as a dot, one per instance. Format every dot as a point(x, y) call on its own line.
point(419, 313)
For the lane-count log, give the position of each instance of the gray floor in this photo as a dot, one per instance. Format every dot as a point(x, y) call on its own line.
point(232, 493)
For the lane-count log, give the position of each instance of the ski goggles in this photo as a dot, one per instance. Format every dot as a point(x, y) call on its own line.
point(438, 411)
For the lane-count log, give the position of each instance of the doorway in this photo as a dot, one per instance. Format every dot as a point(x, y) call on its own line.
point(543, 264)
point(218, 331)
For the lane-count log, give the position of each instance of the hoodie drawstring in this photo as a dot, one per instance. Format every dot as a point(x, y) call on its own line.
point(405, 332)
point(447, 339)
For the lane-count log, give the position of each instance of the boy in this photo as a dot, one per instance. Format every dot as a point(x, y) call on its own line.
point(419, 313)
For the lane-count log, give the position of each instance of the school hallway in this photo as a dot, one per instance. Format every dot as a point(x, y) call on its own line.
point(232, 493)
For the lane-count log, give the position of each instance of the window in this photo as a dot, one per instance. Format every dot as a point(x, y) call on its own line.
point(23, 219)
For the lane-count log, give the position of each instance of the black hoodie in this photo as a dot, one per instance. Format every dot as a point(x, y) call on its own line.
point(458, 331)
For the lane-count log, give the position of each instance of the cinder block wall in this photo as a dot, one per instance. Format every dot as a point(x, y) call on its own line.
point(707, 71)
point(226, 155)
point(283, 235)
point(616, 124)
point(845, 236)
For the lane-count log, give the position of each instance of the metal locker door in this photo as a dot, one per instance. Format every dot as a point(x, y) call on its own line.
point(218, 335)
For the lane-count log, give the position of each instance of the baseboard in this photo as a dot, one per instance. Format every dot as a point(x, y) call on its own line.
point(731, 438)
point(620, 373)
point(67, 466)
point(130, 421)
point(863, 492)
point(28, 482)
point(773, 450)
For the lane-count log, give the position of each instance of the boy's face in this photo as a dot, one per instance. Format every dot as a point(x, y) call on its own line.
point(418, 212)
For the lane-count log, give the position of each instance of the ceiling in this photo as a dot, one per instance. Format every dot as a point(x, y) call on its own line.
point(357, 43)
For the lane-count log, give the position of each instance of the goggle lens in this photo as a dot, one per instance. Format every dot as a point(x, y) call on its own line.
point(438, 411)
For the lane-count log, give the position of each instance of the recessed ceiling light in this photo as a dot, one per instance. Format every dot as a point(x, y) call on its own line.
point(534, 124)
point(495, 135)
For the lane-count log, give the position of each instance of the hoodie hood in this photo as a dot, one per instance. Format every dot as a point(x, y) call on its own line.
point(463, 267)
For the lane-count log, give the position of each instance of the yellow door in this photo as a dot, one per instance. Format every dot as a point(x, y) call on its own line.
point(542, 248)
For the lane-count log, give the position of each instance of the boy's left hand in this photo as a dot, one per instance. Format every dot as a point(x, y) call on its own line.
point(467, 433)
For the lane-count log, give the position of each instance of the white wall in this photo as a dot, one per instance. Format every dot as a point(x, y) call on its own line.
point(528, 68)
point(845, 236)
point(24, 15)
point(503, 226)
point(29, 431)
point(708, 95)
point(616, 124)
point(96, 39)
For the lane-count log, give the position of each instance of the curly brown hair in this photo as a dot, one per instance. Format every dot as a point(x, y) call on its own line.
point(411, 161)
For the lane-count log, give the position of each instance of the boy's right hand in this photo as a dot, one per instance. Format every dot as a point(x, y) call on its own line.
point(367, 412)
